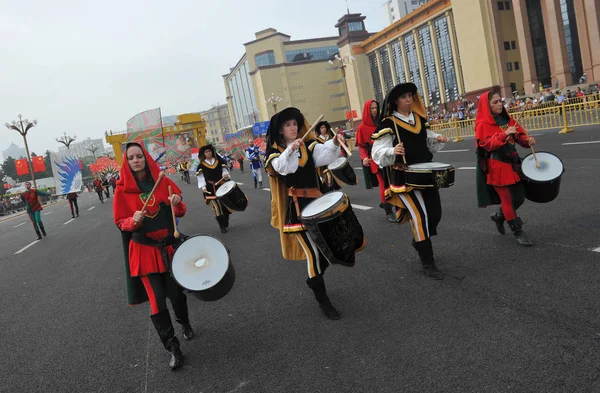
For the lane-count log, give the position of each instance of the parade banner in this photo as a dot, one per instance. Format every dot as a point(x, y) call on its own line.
point(146, 128)
point(66, 172)
point(105, 166)
point(237, 143)
point(21, 166)
point(260, 128)
point(38, 164)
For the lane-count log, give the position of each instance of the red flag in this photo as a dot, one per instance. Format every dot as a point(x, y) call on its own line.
point(21, 165)
point(80, 165)
point(38, 164)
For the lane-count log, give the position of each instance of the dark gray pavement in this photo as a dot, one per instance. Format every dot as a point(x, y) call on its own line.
point(505, 318)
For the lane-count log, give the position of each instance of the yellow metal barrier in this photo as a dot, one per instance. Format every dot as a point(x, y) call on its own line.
point(565, 116)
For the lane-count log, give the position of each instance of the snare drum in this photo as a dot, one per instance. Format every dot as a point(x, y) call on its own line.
point(334, 228)
point(430, 175)
point(201, 264)
point(342, 170)
point(542, 184)
point(232, 196)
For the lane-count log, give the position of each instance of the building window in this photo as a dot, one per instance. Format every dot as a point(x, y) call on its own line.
point(386, 70)
point(507, 5)
point(265, 58)
point(398, 62)
point(506, 45)
point(375, 75)
point(501, 5)
point(517, 66)
point(355, 26)
point(410, 49)
point(513, 87)
point(446, 59)
point(513, 45)
point(320, 53)
point(429, 65)
point(509, 66)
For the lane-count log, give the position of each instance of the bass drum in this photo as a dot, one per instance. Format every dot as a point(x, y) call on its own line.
point(542, 184)
point(342, 170)
point(232, 196)
point(201, 264)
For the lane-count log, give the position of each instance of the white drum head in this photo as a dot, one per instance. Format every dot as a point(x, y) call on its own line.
point(200, 262)
point(322, 204)
point(550, 167)
point(225, 188)
point(430, 165)
point(340, 162)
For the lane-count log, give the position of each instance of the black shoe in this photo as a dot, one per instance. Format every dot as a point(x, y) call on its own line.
point(39, 236)
point(329, 311)
point(516, 227)
point(73, 215)
point(43, 232)
point(425, 250)
point(77, 214)
point(389, 212)
point(164, 328)
point(223, 230)
point(188, 332)
point(176, 359)
point(260, 185)
point(498, 218)
point(433, 272)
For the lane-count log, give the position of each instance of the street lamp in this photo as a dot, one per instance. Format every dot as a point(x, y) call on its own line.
point(93, 149)
point(66, 140)
point(22, 126)
point(342, 63)
point(274, 100)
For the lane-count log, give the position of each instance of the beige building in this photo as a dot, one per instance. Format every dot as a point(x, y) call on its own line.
point(218, 123)
point(276, 72)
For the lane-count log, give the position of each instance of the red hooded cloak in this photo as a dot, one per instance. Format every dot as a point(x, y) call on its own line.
point(363, 135)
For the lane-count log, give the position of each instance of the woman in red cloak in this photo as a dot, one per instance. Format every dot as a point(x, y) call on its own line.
point(498, 179)
point(373, 176)
point(148, 244)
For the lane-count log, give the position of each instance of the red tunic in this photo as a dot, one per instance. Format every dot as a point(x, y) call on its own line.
point(363, 135)
point(143, 259)
point(491, 136)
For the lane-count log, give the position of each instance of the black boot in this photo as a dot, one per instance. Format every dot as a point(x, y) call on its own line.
point(318, 287)
point(42, 229)
point(221, 221)
point(255, 183)
point(39, 235)
point(182, 317)
point(389, 212)
point(516, 226)
point(226, 220)
point(499, 219)
point(425, 250)
point(260, 185)
point(164, 328)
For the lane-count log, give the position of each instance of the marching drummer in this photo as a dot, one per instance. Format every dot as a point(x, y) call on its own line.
point(212, 172)
point(498, 179)
point(402, 139)
point(324, 133)
point(147, 235)
point(292, 164)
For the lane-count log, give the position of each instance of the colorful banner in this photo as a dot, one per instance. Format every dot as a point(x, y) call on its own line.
point(66, 172)
point(260, 128)
point(105, 166)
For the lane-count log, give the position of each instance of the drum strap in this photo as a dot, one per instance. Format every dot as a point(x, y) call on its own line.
point(311, 193)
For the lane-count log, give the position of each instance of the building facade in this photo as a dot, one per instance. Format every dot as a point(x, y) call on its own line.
point(218, 123)
point(398, 9)
point(276, 72)
point(80, 149)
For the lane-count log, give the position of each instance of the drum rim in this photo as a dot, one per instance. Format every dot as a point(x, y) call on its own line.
point(342, 159)
point(543, 181)
point(344, 196)
point(203, 235)
point(234, 186)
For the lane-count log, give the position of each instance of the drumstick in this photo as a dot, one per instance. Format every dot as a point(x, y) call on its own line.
point(175, 233)
point(160, 176)
point(343, 144)
point(537, 164)
point(312, 127)
point(399, 141)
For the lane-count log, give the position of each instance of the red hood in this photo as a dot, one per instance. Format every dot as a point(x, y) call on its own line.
point(366, 114)
point(485, 124)
point(366, 127)
point(127, 180)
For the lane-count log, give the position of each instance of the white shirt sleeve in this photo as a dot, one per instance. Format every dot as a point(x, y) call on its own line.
point(432, 144)
point(383, 151)
point(201, 181)
point(286, 163)
point(225, 172)
point(326, 153)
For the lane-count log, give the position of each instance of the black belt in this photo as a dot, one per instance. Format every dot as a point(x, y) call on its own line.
point(501, 157)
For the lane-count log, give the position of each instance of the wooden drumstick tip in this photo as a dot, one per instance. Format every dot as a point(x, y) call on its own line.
point(176, 234)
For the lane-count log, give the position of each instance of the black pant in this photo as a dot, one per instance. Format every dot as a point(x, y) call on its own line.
point(100, 196)
point(161, 286)
point(73, 202)
point(425, 209)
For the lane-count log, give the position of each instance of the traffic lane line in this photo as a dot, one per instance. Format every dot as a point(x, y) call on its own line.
point(23, 223)
point(597, 249)
point(69, 221)
point(452, 151)
point(361, 207)
point(579, 143)
point(467, 167)
point(26, 247)
point(91, 208)
point(47, 213)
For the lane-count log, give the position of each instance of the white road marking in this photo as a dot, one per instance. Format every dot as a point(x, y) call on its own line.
point(23, 223)
point(90, 196)
point(597, 249)
point(361, 207)
point(579, 143)
point(267, 189)
point(452, 151)
point(467, 167)
point(91, 208)
point(47, 213)
point(26, 247)
point(241, 184)
point(358, 168)
point(69, 221)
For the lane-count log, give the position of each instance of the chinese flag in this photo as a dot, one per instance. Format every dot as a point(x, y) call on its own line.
point(21, 165)
point(38, 164)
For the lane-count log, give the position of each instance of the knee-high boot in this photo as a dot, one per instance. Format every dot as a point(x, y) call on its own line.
point(516, 226)
point(425, 250)
point(389, 211)
point(221, 221)
point(499, 219)
point(164, 328)
point(317, 284)
point(182, 317)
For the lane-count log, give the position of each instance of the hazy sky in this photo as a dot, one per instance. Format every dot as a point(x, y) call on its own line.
point(83, 67)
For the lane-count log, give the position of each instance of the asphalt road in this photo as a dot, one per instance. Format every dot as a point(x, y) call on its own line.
point(506, 318)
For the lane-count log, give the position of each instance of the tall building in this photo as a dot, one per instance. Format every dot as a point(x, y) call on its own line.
point(398, 9)
point(80, 149)
point(218, 123)
point(14, 151)
point(294, 72)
